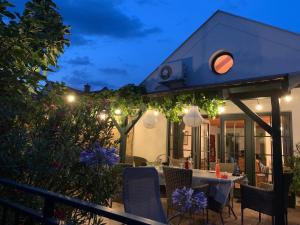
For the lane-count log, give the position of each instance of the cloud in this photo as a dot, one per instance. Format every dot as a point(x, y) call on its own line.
point(80, 61)
point(79, 40)
point(102, 18)
point(81, 77)
point(113, 71)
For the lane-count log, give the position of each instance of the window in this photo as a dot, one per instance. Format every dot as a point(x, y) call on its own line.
point(222, 62)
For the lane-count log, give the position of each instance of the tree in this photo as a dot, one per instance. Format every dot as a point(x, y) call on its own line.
point(30, 46)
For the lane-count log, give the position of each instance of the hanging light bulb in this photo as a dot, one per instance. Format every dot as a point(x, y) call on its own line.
point(185, 110)
point(156, 113)
point(118, 111)
point(288, 98)
point(193, 118)
point(221, 109)
point(150, 119)
point(258, 106)
point(102, 115)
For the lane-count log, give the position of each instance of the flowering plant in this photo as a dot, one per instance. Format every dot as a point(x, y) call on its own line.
point(99, 155)
point(187, 200)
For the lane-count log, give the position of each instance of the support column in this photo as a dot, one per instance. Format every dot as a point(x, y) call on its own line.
point(277, 161)
point(124, 129)
point(123, 143)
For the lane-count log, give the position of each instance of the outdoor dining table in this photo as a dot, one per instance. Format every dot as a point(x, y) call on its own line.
point(219, 187)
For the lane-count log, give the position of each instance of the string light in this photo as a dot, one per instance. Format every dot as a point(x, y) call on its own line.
point(288, 98)
point(118, 111)
point(102, 116)
point(258, 106)
point(221, 109)
point(156, 113)
point(185, 110)
point(71, 98)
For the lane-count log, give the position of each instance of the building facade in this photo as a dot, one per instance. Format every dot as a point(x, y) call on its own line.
point(236, 57)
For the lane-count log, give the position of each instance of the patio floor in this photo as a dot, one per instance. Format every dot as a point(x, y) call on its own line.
point(250, 217)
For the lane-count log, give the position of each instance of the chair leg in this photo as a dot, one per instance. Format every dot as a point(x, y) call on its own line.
point(206, 216)
point(231, 209)
point(242, 216)
point(221, 217)
point(3, 220)
point(259, 216)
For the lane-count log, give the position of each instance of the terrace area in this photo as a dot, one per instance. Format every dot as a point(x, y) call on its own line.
point(210, 136)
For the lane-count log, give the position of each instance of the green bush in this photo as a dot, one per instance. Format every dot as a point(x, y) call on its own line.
point(295, 162)
point(41, 135)
point(44, 150)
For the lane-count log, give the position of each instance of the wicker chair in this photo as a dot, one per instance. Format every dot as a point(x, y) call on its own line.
point(224, 167)
point(178, 178)
point(263, 200)
point(139, 161)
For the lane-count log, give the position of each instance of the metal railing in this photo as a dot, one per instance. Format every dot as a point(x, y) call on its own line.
point(46, 215)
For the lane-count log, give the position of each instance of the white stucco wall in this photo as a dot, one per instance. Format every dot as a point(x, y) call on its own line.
point(149, 143)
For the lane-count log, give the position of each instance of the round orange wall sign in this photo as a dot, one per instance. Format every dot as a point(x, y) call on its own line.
point(222, 63)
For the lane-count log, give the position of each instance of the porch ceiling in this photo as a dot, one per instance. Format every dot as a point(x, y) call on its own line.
point(279, 84)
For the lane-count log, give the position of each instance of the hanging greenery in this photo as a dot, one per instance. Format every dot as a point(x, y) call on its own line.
point(131, 99)
point(173, 106)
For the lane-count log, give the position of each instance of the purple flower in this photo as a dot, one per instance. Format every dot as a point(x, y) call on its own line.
point(99, 156)
point(187, 200)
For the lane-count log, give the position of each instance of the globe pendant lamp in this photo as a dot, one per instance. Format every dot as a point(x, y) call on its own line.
point(150, 119)
point(193, 118)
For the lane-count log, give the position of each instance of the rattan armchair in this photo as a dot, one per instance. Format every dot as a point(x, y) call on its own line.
point(263, 200)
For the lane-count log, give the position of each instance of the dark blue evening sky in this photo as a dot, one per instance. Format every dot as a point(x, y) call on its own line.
point(116, 42)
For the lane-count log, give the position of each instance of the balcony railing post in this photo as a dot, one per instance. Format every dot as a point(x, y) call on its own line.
point(48, 210)
point(3, 219)
point(17, 218)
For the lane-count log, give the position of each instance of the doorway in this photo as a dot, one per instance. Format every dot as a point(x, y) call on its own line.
point(237, 138)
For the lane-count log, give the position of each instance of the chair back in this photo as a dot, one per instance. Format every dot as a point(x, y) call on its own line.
point(139, 161)
point(263, 200)
point(224, 167)
point(177, 162)
point(176, 178)
point(141, 193)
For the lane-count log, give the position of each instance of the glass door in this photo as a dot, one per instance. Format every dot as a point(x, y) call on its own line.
point(264, 151)
point(204, 147)
point(236, 143)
